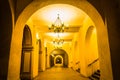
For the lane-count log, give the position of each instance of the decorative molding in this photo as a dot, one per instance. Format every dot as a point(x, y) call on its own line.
point(27, 48)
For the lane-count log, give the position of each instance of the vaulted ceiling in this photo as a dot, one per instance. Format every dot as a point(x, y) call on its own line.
point(70, 15)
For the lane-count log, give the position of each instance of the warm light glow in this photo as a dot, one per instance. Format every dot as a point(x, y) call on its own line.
point(67, 14)
point(61, 35)
point(58, 56)
point(94, 30)
point(37, 36)
point(45, 43)
point(50, 13)
point(52, 34)
point(58, 26)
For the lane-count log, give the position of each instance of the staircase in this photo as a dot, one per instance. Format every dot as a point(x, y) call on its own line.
point(95, 75)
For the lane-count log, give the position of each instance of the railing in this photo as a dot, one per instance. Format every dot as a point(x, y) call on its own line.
point(93, 62)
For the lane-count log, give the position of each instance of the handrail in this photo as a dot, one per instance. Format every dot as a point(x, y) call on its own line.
point(93, 62)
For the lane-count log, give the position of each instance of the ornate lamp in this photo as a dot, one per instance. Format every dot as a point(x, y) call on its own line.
point(57, 26)
point(58, 42)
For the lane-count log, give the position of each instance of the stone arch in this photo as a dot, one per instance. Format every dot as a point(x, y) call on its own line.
point(103, 44)
point(60, 62)
point(60, 52)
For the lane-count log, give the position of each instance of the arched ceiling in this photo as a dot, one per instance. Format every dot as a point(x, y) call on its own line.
point(71, 16)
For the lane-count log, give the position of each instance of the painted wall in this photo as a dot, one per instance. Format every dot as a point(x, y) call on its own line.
point(84, 52)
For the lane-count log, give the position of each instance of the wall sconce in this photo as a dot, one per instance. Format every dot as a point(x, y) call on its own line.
point(37, 38)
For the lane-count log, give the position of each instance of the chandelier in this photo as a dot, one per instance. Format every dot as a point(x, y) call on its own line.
point(58, 42)
point(57, 26)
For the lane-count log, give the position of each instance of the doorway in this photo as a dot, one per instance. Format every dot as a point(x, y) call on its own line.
point(25, 71)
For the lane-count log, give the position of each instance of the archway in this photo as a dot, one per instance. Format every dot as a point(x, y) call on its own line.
point(89, 32)
point(91, 46)
point(58, 61)
point(25, 71)
point(58, 54)
point(87, 8)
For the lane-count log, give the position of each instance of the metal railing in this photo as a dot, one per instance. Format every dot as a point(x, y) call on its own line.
point(93, 62)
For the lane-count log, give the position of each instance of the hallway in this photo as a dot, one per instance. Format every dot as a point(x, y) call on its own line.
point(59, 73)
point(83, 36)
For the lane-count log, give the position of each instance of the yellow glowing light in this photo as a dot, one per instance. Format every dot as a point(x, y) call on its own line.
point(55, 35)
point(52, 34)
point(45, 44)
point(37, 36)
point(50, 13)
point(94, 30)
point(66, 13)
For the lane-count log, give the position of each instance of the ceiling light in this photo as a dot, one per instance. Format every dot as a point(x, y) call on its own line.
point(58, 26)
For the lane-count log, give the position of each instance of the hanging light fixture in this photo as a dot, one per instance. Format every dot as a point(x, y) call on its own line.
point(58, 42)
point(57, 26)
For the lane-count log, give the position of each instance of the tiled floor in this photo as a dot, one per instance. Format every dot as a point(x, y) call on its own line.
point(59, 73)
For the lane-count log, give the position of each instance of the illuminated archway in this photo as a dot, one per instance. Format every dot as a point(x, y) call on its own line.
point(58, 61)
point(91, 46)
point(103, 45)
point(89, 33)
point(59, 53)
